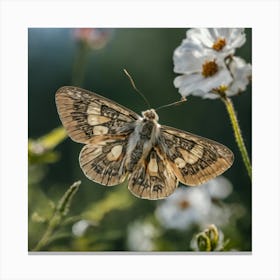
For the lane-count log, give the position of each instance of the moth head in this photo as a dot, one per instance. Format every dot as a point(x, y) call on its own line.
point(150, 115)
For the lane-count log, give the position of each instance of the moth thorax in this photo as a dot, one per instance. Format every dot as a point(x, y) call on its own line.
point(150, 115)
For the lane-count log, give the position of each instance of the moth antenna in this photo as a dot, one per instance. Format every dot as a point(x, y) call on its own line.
point(136, 89)
point(183, 100)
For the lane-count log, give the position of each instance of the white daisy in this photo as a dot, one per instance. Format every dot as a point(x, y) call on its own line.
point(221, 41)
point(200, 74)
point(206, 63)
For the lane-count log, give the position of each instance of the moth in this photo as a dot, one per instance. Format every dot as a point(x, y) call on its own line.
point(122, 145)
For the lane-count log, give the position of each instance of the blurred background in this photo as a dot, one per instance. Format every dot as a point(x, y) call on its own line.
point(110, 218)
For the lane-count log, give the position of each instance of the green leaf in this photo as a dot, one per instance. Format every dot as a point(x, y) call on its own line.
point(118, 200)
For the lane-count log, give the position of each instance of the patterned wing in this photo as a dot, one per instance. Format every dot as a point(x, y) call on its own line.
point(103, 160)
point(85, 114)
point(194, 159)
point(152, 178)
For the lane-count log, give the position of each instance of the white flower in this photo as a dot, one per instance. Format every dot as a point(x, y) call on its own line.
point(241, 72)
point(185, 207)
point(195, 206)
point(200, 74)
point(218, 214)
point(206, 63)
point(222, 41)
point(141, 235)
point(219, 188)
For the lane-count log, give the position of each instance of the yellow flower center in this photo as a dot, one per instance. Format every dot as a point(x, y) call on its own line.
point(219, 44)
point(209, 68)
point(184, 204)
point(221, 90)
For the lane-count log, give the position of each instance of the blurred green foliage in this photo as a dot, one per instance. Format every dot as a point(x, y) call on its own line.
point(53, 162)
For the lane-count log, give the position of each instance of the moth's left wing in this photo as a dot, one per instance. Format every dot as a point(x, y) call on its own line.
point(152, 178)
point(193, 159)
point(85, 114)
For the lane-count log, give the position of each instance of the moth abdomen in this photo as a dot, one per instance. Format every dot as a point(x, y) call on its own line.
point(134, 157)
point(147, 129)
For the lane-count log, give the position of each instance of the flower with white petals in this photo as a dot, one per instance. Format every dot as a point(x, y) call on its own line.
point(141, 236)
point(206, 63)
point(221, 41)
point(185, 207)
point(241, 72)
point(200, 74)
point(220, 188)
point(195, 206)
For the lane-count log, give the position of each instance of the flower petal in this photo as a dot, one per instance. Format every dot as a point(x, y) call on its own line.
point(237, 37)
point(201, 36)
point(185, 62)
point(220, 187)
point(198, 85)
point(242, 73)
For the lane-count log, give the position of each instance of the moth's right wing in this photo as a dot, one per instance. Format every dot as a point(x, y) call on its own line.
point(193, 159)
point(85, 114)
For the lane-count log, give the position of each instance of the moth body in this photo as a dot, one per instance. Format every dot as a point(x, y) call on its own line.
point(142, 139)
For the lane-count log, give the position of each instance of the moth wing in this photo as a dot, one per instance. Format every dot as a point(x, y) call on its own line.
point(194, 159)
point(85, 114)
point(152, 178)
point(103, 161)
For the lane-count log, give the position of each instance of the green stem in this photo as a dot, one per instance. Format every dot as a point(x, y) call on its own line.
point(60, 211)
point(238, 135)
point(80, 63)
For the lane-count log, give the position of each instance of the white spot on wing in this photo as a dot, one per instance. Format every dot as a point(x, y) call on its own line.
point(93, 109)
point(152, 166)
point(180, 162)
point(96, 119)
point(197, 150)
point(115, 153)
point(100, 130)
point(193, 155)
